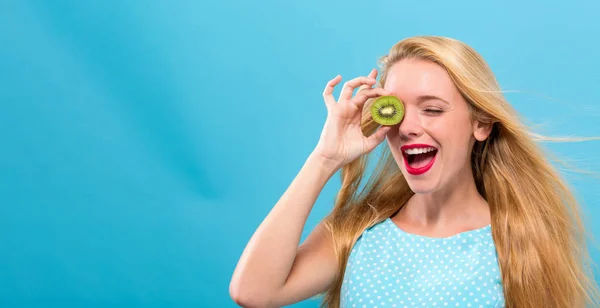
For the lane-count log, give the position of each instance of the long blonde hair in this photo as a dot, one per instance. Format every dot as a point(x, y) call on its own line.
point(536, 220)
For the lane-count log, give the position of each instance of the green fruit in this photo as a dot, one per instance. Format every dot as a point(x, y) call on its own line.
point(387, 110)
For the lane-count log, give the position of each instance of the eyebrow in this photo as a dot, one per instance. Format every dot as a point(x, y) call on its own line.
point(423, 98)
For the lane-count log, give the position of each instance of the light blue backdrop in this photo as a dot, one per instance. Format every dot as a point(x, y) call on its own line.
point(144, 141)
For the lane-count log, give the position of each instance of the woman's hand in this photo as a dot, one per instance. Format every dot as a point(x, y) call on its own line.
point(342, 140)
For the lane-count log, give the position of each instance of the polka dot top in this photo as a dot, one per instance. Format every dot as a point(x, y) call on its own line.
point(389, 267)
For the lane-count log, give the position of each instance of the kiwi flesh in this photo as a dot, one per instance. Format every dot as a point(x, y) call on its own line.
point(387, 110)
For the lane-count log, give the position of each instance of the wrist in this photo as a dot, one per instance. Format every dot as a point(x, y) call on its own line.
point(323, 163)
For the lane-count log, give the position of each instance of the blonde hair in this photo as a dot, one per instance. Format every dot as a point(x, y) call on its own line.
point(537, 224)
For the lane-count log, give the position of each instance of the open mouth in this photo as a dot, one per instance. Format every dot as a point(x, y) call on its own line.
point(419, 160)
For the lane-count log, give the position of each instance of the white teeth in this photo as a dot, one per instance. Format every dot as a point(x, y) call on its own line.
point(419, 150)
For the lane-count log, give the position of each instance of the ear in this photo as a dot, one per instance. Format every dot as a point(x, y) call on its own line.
point(481, 131)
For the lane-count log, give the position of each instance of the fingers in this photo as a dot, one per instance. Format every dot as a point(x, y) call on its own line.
point(362, 82)
point(372, 74)
point(349, 86)
point(328, 92)
point(361, 98)
point(377, 137)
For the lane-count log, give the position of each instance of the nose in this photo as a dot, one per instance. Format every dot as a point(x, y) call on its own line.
point(410, 127)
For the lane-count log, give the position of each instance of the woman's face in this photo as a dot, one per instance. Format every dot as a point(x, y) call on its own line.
point(437, 119)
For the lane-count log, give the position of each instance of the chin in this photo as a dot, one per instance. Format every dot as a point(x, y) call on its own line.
point(423, 185)
point(422, 188)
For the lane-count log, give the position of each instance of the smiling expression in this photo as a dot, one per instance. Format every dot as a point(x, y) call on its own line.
point(432, 145)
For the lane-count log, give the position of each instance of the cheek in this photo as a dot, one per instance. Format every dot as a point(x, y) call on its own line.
point(394, 142)
point(440, 129)
point(451, 133)
point(393, 135)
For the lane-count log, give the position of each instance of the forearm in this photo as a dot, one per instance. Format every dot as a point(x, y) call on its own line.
point(268, 257)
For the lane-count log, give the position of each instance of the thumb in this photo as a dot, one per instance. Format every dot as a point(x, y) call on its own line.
point(377, 137)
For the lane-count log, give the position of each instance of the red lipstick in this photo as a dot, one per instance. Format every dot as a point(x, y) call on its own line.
point(420, 170)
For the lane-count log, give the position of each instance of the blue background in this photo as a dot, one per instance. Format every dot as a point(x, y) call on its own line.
point(144, 141)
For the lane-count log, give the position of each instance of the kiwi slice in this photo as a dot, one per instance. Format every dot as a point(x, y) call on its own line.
point(387, 110)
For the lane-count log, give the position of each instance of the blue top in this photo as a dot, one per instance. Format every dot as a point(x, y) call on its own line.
point(389, 267)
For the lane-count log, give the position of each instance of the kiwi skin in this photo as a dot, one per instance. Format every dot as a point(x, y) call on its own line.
point(387, 110)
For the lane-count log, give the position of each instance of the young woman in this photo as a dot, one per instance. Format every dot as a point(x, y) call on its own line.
point(462, 210)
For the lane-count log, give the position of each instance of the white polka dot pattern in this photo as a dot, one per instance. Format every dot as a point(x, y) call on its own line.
point(389, 267)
